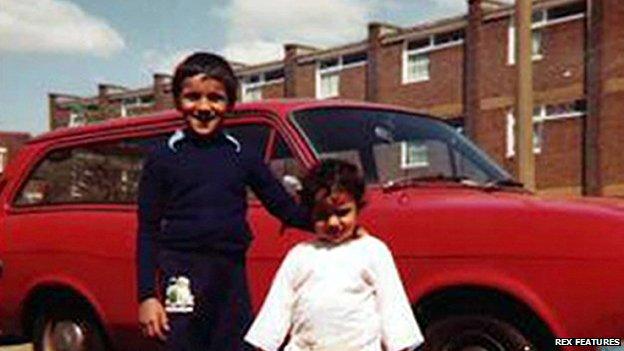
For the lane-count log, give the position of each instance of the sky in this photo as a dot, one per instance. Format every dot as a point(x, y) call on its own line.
point(69, 46)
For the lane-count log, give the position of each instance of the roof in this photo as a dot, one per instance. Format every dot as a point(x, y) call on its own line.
point(4, 134)
point(279, 107)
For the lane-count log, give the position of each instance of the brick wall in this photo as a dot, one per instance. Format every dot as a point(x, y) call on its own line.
point(12, 142)
point(351, 86)
point(273, 91)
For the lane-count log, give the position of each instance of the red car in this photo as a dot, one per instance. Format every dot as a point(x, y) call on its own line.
point(486, 264)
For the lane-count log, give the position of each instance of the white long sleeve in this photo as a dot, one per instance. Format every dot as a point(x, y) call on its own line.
point(398, 325)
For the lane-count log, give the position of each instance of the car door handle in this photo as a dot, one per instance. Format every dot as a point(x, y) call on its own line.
point(1, 268)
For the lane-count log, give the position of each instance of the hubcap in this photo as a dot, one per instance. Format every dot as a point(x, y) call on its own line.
point(64, 336)
point(475, 341)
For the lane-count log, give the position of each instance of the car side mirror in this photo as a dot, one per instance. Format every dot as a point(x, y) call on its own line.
point(292, 184)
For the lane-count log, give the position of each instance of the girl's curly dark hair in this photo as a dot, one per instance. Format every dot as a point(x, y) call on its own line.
point(333, 175)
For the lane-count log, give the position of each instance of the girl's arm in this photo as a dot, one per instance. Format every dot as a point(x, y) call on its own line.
point(399, 328)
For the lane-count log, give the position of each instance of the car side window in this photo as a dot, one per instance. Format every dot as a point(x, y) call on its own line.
point(285, 166)
point(104, 173)
point(251, 136)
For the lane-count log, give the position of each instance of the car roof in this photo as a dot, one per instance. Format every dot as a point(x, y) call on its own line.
point(279, 107)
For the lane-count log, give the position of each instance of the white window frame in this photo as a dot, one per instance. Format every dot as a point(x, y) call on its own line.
point(333, 71)
point(252, 87)
point(538, 127)
point(406, 67)
point(405, 162)
point(257, 86)
point(536, 27)
point(424, 51)
point(538, 135)
point(76, 119)
point(4, 158)
point(131, 103)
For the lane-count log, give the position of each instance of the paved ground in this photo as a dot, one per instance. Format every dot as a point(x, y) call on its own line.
point(26, 347)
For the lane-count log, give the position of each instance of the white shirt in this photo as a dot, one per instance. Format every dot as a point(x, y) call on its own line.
point(337, 297)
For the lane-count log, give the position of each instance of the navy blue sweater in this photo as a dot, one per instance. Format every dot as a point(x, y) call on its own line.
point(192, 197)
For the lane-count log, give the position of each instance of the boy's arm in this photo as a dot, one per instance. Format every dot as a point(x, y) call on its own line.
point(273, 322)
point(275, 198)
point(399, 328)
point(150, 212)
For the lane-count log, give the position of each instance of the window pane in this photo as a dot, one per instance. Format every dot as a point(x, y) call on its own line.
point(252, 79)
point(3, 158)
point(251, 136)
point(538, 130)
point(448, 37)
point(329, 84)
point(252, 94)
point(536, 43)
point(418, 67)
point(103, 173)
point(418, 43)
point(537, 16)
point(566, 10)
point(332, 62)
point(414, 155)
point(354, 58)
point(274, 75)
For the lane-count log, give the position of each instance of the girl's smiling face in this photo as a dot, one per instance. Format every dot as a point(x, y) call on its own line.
point(203, 101)
point(335, 217)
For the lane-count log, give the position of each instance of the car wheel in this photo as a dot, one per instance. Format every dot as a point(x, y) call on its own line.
point(70, 330)
point(475, 333)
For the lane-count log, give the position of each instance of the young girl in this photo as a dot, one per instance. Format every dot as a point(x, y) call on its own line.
point(192, 217)
point(340, 291)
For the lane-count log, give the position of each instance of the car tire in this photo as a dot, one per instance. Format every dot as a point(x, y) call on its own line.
point(475, 333)
point(67, 329)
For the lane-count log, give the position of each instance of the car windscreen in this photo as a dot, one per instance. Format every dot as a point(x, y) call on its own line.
point(389, 145)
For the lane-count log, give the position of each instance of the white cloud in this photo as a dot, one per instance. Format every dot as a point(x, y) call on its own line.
point(163, 61)
point(55, 26)
point(258, 29)
point(254, 51)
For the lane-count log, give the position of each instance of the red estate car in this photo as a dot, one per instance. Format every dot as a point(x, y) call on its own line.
point(486, 264)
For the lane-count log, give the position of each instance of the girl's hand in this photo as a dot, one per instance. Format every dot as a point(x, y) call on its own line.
point(153, 318)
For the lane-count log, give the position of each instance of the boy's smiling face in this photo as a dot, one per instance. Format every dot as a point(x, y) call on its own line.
point(203, 101)
point(335, 217)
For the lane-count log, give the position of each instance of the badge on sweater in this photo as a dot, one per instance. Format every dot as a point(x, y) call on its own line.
point(179, 298)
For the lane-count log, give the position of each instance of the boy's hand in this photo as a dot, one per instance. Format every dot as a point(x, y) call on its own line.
point(153, 319)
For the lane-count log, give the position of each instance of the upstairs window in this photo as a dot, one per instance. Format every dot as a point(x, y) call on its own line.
point(252, 85)
point(328, 72)
point(4, 158)
point(540, 19)
point(416, 59)
point(417, 68)
point(542, 114)
point(328, 78)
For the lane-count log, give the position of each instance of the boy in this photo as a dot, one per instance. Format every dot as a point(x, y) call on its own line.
point(192, 217)
point(341, 290)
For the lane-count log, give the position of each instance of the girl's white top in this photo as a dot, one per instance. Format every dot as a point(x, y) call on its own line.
point(337, 297)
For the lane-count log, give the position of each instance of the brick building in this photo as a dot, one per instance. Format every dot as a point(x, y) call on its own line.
point(10, 143)
point(462, 69)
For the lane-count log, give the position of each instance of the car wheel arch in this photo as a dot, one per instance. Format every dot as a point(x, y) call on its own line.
point(487, 300)
point(48, 293)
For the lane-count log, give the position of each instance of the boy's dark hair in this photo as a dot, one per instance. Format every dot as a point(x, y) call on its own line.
point(213, 66)
point(333, 175)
